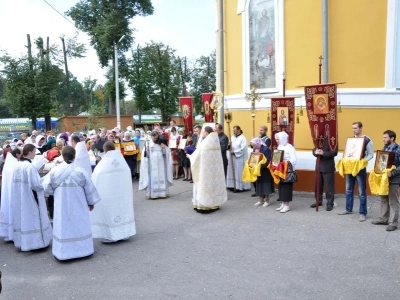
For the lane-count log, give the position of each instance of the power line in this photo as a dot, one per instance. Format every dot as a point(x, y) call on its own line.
point(59, 12)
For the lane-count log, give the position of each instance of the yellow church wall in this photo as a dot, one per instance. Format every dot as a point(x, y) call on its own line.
point(372, 126)
point(357, 43)
point(233, 49)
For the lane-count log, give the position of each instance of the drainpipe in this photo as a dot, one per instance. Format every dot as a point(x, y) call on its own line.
point(221, 58)
point(325, 45)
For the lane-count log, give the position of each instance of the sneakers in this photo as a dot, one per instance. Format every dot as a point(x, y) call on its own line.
point(266, 204)
point(280, 207)
point(362, 218)
point(285, 209)
point(258, 203)
point(345, 212)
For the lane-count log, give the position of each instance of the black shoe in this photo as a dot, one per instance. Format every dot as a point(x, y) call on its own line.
point(328, 208)
point(314, 205)
point(391, 228)
point(191, 181)
point(185, 179)
point(378, 222)
point(253, 195)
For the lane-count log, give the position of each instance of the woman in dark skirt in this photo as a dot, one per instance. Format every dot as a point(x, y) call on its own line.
point(184, 161)
point(264, 183)
point(286, 188)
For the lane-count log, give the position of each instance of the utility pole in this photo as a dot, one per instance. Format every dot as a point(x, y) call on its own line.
point(31, 82)
point(70, 104)
point(47, 118)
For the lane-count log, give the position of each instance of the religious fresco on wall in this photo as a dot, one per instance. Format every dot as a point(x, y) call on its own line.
point(262, 43)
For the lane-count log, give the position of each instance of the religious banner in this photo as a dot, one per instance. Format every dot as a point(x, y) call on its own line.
point(186, 104)
point(322, 114)
point(208, 112)
point(283, 118)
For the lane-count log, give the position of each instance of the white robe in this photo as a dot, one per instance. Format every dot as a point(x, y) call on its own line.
point(209, 189)
point(156, 171)
point(82, 157)
point(240, 149)
point(31, 224)
point(113, 219)
point(6, 229)
point(73, 191)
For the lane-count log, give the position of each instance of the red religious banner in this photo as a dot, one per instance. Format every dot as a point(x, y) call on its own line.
point(208, 112)
point(186, 104)
point(322, 114)
point(283, 118)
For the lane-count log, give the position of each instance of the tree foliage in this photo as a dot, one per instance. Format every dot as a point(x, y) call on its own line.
point(165, 73)
point(31, 84)
point(203, 78)
point(107, 21)
point(93, 120)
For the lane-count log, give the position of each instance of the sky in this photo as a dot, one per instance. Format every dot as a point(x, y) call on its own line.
point(189, 26)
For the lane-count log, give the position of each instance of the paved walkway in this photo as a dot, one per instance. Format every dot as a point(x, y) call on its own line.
point(239, 252)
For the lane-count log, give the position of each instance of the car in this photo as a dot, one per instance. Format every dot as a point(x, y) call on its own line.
point(14, 135)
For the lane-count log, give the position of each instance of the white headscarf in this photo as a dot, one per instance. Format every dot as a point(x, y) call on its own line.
point(283, 138)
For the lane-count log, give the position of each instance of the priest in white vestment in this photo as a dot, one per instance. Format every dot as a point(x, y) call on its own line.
point(74, 195)
point(6, 229)
point(31, 225)
point(209, 188)
point(156, 168)
point(239, 149)
point(113, 219)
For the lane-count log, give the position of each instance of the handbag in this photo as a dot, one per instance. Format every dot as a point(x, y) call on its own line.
point(291, 177)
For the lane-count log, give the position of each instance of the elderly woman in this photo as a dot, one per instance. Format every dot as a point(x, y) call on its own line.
point(264, 183)
point(286, 188)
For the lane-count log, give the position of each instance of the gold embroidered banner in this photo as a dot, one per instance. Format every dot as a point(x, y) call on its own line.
point(322, 114)
point(283, 118)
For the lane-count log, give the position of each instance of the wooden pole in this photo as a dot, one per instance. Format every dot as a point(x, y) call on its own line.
point(67, 78)
point(318, 175)
point(31, 82)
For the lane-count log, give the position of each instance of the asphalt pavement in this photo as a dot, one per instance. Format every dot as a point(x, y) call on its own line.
point(238, 252)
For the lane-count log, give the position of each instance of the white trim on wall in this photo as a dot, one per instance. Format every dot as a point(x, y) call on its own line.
point(359, 98)
point(243, 8)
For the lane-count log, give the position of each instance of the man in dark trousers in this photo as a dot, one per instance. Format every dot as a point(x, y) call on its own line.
point(326, 175)
point(223, 142)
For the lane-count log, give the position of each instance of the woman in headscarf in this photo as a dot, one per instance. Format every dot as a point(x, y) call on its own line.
point(40, 142)
point(264, 183)
point(286, 188)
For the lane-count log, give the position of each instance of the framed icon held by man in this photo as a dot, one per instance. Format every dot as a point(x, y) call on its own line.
point(355, 147)
point(384, 160)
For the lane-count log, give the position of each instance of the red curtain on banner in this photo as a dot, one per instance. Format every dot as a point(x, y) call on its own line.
point(322, 114)
point(186, 104)
point(208, 112)
point(283, 118)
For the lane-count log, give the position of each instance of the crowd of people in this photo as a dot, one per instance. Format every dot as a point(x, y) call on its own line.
point(67, 189)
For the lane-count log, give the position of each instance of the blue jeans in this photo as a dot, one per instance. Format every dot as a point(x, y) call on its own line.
point(361, 178)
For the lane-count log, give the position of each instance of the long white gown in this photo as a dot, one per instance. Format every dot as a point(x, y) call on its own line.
point(73, 191)
point(113, 219)
point(209, 188)
point(31, 224)
point(82, 157)
point(156, 171)
point(6, 229)
point(239, 146)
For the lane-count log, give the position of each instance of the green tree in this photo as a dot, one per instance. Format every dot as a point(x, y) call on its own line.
point(31, 84)
point(203, 78)
point(140, 80)
point(88, 86)
point(94, 112)
point(108, 25)
point(165, 73)
point(78, 98)
point(4, 111)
